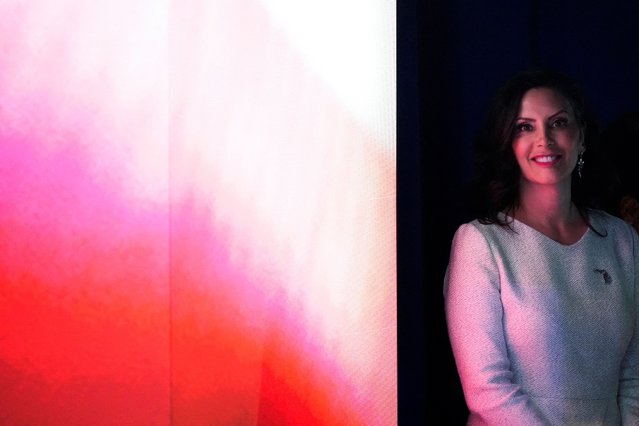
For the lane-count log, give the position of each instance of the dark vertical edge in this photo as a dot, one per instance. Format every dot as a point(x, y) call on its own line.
point(410, 293)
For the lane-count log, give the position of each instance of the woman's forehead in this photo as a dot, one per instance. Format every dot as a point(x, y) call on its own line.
point(544, 100)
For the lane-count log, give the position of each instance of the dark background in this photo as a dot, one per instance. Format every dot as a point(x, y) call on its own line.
point(451, 57)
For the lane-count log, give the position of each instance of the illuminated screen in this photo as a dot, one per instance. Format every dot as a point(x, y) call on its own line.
point(197, 212)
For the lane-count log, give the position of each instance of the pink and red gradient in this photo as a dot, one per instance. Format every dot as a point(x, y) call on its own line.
point(194, 227)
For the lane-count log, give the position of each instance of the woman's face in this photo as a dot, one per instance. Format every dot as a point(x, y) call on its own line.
point(548, 139)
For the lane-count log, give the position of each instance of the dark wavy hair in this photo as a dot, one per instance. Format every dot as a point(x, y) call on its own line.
point(496, 187)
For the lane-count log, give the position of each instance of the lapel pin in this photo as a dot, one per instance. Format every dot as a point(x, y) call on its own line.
point(606, 276)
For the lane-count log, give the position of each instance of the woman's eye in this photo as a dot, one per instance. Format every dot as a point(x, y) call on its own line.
point(560, 123)
point(523, 127)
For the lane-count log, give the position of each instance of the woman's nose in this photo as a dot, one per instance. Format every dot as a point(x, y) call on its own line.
point(545, 138)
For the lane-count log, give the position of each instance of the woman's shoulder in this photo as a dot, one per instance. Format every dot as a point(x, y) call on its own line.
point(488, 227)
point(603, 216)
point(471, 245)
point(608, 221)
point(481, 232)
point(470, 228)
point(613, 226)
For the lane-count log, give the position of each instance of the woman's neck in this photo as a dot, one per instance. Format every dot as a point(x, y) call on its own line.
point(549, 210)
point(545, 203)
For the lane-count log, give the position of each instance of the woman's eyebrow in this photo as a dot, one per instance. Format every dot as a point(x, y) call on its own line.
point(561, 111)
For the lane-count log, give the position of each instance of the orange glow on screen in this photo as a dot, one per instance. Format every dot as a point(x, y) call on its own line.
point(197, 214)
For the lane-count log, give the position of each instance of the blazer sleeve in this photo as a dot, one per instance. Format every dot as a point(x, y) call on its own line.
point(629, 377)
point(474, 314)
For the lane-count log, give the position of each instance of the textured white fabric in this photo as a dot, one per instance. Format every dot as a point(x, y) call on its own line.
point(542, 332)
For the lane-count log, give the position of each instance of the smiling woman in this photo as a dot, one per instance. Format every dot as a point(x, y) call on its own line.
point(538, 257)
point(547, 144)
point(548, 140)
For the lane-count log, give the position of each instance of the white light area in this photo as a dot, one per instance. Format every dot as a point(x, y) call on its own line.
point(350, 44)
point(292, 173)
point(103, 64)
point(281, 125)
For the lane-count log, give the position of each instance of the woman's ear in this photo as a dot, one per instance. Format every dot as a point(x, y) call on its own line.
point(582, 141)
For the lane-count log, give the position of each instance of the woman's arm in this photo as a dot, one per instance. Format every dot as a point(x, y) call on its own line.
point(474, 313)
point(629, 378)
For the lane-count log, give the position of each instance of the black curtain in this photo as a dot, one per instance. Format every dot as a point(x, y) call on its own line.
point(451, 56)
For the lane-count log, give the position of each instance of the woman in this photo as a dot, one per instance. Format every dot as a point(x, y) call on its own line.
point(541, 289)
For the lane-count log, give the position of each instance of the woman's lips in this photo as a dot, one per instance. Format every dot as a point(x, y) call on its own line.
point(546, 160)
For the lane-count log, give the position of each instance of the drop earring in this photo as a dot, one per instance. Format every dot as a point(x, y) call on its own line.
point(580, 164)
